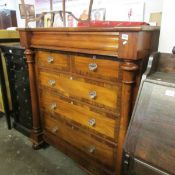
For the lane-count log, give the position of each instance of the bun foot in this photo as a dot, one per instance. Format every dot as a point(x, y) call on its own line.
point(37, 146)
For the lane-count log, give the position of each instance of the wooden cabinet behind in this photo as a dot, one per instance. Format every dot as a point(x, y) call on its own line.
point(83, 84)
point(7, 18)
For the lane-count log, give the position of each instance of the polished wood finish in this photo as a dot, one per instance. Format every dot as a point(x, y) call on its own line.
point(36, 132)
point(86, 89)
point(79, 113)
point(96, 41)
point(56, 61)
point(105, 69)
point(129, 72)
point(94, 147)
point(106, 95)
point(100, 41)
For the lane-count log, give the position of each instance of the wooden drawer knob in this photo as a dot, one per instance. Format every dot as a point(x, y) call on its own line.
point(93, 66)
point(53, 106)
point(92, 94)
point(92, 122)
point(91, 149)
point(50, 60)
point(52, 82)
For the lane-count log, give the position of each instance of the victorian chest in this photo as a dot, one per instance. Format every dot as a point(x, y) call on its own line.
point(83, 85)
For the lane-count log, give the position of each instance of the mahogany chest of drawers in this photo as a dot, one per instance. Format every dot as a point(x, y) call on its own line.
point(83, 85)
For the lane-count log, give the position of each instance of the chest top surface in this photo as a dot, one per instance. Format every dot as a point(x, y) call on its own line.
point(131, 43)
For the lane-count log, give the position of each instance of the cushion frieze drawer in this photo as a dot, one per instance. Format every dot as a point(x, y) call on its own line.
point(80, 113)
point(96, 67)
point(52, 60)
point(95, 42)
point(99, 94)
point(95, 147)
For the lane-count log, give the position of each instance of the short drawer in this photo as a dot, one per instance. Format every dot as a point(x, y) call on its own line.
point(99, 94)
point(95, 147)
point(55, 61)
point(80, 113)
point(96, 68)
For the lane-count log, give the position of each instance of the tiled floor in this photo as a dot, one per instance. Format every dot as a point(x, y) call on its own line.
point(18, 158)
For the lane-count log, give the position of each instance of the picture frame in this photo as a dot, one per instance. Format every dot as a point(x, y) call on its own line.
point(29, 9)
point(98, 14)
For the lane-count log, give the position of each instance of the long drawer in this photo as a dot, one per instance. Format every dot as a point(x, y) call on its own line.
point(98, 68)
point(51, 60)
point(94, 147)
point(102, 95)
point(80, 113)
point(94, 42)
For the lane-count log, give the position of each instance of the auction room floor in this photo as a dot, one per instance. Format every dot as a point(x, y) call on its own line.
point(18, 158)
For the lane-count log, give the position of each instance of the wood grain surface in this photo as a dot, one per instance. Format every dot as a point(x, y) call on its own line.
point(79, 113)
point(95, 74)
point(106, 95)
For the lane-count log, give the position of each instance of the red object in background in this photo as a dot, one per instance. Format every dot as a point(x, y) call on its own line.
point(111, 24)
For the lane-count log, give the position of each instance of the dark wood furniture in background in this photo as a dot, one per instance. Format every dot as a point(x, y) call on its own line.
point(6, 37)
point(149, 147)
point(18, 77)
point(7, 18)
point(83, 84)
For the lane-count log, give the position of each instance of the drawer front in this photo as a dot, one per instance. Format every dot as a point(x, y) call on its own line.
point(98, 68)
point(104, 96)
point(84, 141)
point(79, 113)
point(104, 42)
point(52, 60)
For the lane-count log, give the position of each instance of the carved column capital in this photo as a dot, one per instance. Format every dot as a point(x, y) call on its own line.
point(28, 52)
point(129, 69)
point(129, 66)
point(29, 55)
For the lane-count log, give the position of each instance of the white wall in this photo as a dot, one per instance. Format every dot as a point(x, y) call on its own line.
point(114, 10)
point(152, 6)
point(167, 34)
point(11, 4)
